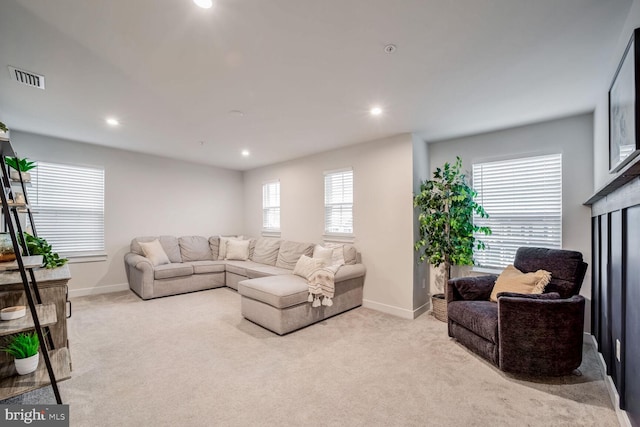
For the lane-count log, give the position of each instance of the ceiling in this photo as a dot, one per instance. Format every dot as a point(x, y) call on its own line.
point(303, 73)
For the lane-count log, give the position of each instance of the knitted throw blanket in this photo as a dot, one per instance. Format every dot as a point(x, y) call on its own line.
point(322, 284)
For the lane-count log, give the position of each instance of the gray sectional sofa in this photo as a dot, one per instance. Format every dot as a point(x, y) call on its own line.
point(271, 295)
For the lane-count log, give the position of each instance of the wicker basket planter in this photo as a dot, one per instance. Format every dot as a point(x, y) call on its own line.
point(439, 307)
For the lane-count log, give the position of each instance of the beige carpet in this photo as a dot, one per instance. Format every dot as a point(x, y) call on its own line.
point(192, 360)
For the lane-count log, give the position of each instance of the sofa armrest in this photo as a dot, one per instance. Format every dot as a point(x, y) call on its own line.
point(138, 261)
point(550, 295)
point(471, 288)
point(540, 336)
point(140, 274)
point(347, 272)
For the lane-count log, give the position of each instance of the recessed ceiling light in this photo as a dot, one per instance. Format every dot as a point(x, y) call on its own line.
point(112, 121)
point(375, 111)
point(245, 153)
point(205, 4)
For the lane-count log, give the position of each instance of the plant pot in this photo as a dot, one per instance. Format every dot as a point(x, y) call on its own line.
point(28, 365)
point(6, 248)
point(4, 136)
point(439, 307)
point(26, 176)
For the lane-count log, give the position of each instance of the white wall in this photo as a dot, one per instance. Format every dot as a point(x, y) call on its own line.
point(144, 195)
point(383, 212)
point(571, 136)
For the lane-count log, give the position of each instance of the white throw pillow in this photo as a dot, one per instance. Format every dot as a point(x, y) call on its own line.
point(154, 252)
point(337, 258)
point(325, 254)
point(306, 266)
point(237, 250)
point(222, 249)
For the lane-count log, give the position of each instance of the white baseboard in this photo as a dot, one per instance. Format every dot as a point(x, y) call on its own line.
point(98, 290)
point(623, 417)
point(391, 309)
point(422, 309)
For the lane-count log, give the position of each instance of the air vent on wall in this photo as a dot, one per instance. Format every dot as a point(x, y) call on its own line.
point(27, 77)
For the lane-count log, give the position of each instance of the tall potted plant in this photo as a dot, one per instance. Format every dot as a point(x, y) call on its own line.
point(446, 231)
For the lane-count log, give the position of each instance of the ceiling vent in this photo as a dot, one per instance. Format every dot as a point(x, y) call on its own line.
point(27, 77)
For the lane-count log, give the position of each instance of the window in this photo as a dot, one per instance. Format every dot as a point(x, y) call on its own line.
point(338, 202)
point(271, 206)
point(523, 198)
point(68, 208)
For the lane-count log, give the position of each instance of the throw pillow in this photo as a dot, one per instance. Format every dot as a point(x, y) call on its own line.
point(337, 258)
point(322, 253)
point(222, 249)
point(154, 252)
point(513, 280)
point(237, 250)
point(306, 266)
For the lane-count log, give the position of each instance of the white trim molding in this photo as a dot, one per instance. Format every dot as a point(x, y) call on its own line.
point(74, 293)
point(393, 310)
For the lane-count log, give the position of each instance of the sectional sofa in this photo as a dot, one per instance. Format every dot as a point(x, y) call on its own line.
point(271, 295)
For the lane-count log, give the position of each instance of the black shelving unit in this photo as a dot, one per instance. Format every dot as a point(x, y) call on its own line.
point(56, 361)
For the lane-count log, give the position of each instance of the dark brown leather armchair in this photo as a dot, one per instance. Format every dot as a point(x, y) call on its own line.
point(527, 334)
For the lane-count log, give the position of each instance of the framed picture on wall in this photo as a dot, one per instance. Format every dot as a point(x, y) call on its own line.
point(624, 114)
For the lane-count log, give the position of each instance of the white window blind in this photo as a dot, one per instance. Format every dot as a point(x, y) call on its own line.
point(68, 207)
point(523, 198)
point(338, 202)
point(271, 206)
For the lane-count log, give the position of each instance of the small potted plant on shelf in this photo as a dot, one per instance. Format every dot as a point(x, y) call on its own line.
point(4, 132)
point(22, 165)
point(24, 348)
point(39, 246)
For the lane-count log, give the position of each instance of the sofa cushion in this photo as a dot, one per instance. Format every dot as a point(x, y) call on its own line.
point(266, 251)
point(480, 317)
point(154, 252)
point(237, 250)
point(261, 270)
point(277, 291)
point(513, 280)
point(195, 248)
point(204, 267)
point(290, 253)
point(169, 244)
point(240, 267)
point(565, 267)
point(214, 244)
point(168, 271)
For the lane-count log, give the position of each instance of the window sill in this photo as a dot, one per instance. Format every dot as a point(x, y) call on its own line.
point(270, 233)
point(78, 259)
point(486, 270)
point(339, 237)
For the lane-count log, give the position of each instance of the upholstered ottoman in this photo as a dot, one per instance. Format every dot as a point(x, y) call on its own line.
point(279, 303)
